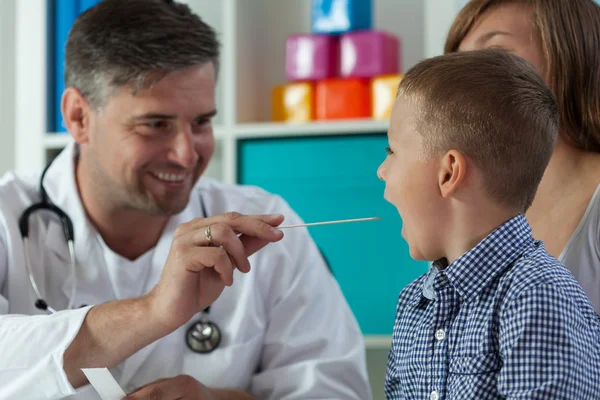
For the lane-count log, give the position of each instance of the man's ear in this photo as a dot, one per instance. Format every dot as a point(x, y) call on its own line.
point(76, 114)
point(452, 173)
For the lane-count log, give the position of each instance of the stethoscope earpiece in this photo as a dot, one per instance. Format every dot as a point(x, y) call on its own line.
point(41, 305)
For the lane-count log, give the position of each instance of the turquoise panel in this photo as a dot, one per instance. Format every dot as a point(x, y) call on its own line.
point(334, 177)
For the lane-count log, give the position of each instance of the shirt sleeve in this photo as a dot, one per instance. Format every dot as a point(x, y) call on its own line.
point(313, 346)
point(3, 274)
point(32, 348)
point(548, 347)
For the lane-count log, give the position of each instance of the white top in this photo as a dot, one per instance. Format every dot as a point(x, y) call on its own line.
point(287, 329)
point(582, 252)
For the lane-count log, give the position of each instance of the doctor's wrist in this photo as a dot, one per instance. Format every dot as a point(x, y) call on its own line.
point(148, 304)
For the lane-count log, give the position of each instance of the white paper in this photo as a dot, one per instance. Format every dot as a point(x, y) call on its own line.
point(104, 383)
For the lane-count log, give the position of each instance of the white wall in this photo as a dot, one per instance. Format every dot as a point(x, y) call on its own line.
point(439, 17)
point(7, 85)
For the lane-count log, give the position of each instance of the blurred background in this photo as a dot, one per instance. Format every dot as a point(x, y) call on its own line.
point(303, 96)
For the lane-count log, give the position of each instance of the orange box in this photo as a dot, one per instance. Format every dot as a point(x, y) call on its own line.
point(343, 98)
point(293, 102)
point(384, 89)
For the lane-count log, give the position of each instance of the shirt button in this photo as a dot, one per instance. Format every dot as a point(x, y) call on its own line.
point(440, 334)
point(434, 395)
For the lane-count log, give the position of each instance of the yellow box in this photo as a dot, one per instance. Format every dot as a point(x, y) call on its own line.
point(293, 102)
point(383, 93)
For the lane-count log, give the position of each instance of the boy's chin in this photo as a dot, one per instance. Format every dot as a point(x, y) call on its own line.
point(415, 254)
point(418, 255)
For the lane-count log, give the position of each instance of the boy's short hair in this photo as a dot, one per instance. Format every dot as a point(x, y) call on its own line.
point(495, 109)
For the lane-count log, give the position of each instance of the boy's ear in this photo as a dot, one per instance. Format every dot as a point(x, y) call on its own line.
point(453, 169)
point(76, 111)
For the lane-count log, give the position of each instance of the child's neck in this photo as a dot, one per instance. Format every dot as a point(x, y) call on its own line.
point(470, 225)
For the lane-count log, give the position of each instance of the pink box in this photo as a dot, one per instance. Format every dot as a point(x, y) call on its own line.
point(365, 54)
point(312, 57)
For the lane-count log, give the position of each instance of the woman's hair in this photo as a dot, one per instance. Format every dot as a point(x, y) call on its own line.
point(570, 36)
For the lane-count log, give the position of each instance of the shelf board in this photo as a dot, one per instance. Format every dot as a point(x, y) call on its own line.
point(378, 342)
point(282, 129)
point(56, 140)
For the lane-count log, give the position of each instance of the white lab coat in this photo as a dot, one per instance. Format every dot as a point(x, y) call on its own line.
point(288, 333)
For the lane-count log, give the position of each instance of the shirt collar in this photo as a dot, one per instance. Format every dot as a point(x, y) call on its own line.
point(472, 272)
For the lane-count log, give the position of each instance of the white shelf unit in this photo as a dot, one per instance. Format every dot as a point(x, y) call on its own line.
point(252, 34)
point(7, 84)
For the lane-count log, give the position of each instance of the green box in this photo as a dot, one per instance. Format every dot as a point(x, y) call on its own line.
point(335, 177)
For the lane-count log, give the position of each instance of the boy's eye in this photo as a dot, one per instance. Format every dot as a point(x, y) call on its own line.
point(388, 151)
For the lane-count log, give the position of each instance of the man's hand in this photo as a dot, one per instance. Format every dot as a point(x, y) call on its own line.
point(198, 269)
point(196, 272)
point(184, 387)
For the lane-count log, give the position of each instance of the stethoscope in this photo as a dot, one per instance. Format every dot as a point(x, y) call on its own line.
point(203, 336)
point(67, 227)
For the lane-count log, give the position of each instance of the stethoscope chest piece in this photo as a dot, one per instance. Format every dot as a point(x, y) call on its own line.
point(203, 337)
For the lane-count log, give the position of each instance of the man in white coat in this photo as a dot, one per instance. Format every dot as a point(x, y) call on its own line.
point(156, 247)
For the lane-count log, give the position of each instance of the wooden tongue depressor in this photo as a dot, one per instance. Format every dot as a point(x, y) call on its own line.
point(342, 221)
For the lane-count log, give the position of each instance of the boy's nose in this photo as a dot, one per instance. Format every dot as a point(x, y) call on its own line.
point(381, 172)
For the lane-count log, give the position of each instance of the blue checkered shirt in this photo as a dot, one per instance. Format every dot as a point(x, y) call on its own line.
point(505, 320)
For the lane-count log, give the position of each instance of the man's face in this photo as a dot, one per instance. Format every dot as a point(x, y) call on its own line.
point(146, 151)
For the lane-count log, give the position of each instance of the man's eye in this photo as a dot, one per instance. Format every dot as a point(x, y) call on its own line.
point(202, 121)
point(156, 124)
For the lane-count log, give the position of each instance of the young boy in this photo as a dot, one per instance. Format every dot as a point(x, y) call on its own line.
point(496, 316)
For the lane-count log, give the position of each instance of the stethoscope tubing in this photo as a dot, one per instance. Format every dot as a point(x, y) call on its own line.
point(195, 334)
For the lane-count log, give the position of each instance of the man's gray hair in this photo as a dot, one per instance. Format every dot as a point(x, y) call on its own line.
point(134, 42)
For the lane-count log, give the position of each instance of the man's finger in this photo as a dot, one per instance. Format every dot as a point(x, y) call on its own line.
point(222, 235)
point(163, 389)
point(216, 258)
point(256, 225)
point(151, 383)
point(253, 244)
point(179, 387)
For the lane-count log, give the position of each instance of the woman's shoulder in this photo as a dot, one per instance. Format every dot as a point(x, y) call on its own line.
point(587, 233)
point(581, 255)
